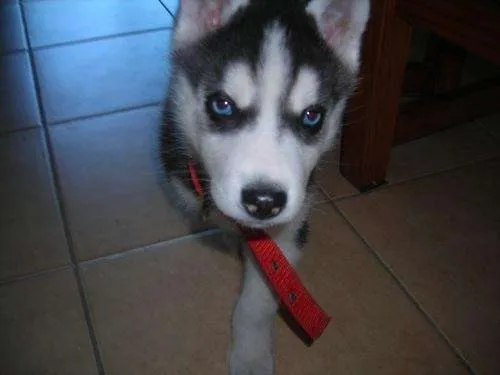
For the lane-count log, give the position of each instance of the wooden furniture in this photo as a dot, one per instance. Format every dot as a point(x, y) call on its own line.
point(374, 119)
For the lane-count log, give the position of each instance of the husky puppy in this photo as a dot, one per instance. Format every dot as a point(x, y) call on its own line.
point(256, 95)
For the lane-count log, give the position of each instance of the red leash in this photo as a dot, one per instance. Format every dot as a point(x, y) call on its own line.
point(285, 282)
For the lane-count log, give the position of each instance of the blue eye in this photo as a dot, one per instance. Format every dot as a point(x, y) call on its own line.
point(222, 107)
point(312, 118)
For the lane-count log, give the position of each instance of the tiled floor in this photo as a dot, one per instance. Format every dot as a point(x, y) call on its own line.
point(100, 275)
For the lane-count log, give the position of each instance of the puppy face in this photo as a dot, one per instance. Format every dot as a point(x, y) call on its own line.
point(258, 100)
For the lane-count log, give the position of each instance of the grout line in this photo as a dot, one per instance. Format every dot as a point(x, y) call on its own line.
point(117, 255)
point(320, 196)
point(106, 113)
point(32, 276)
point(99, 38)
point(149, 248)
point(456, 350)
point(53, 171)
point(333, 198)
point(13, 52)
point(7, 133)
point(166, 8)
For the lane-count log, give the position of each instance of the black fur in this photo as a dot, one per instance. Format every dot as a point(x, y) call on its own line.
point(302, 235)
point(175, 155)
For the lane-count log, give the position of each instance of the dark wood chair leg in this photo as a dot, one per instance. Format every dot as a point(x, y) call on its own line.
point(371, 115)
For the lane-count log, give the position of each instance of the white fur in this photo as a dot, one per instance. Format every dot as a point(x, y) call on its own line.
point(304, 92)
point(274, 74)
point(239, 85)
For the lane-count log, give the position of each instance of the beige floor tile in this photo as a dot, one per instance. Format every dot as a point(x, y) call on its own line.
point(375, 328)
point(318, 195)
point(31, 233)
point(165, 311)
point(328, 176)
point(441, 237)
point(168, 311)
point(441, 151)
point(111, 184)
point(42, 328)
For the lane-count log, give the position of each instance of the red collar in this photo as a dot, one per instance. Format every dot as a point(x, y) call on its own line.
point(306, 315)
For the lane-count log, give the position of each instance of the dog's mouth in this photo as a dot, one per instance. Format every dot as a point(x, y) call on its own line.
point(256, 224)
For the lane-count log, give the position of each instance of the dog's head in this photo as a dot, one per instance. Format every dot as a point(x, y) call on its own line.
point(257, 90)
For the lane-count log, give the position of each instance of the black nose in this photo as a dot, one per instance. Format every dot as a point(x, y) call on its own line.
point(263, 201)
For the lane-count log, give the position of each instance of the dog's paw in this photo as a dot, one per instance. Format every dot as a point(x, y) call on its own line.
point(250, 363)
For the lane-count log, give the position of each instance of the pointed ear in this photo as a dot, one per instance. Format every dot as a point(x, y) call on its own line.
point(342, 23)
point(196, 18)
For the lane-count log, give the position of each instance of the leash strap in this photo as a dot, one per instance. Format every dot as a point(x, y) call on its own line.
point(284, 281)
point(194, 179)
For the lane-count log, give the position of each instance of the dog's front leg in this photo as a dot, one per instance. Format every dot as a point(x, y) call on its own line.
point(251, 351)
point(252, 329)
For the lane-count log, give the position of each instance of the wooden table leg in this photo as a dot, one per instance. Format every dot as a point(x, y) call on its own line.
point(371, 115)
